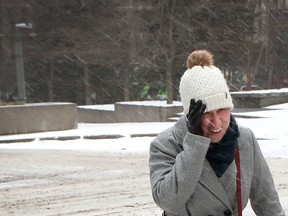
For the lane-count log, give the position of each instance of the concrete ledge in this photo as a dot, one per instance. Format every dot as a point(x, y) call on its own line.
point(38, 117)
point(259, 98)
point(96, 114)
point(146, 111)
point(135, 111)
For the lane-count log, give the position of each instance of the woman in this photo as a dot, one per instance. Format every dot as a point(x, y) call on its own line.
point(206, 164)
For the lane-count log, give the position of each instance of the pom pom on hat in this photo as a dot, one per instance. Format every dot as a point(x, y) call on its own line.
point(200, 58)
point(203, 81)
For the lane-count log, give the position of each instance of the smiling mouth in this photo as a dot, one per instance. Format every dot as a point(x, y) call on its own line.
point(216, 130)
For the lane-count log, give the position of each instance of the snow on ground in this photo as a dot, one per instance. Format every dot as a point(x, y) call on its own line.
point(269, 125)
point(266, 91)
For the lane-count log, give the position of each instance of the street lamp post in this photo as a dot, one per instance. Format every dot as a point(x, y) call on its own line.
point(19, 60)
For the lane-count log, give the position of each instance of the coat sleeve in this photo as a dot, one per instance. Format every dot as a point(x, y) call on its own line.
point(173, 173)
point(263, 195)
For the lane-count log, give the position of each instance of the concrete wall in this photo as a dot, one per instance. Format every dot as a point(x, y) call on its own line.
point(37, 117)
point(258, 99)
point(127, 112)
point(142, 113)
point(95, 116)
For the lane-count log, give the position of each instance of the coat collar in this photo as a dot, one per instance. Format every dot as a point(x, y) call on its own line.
point(210, 181)
point(208, 177)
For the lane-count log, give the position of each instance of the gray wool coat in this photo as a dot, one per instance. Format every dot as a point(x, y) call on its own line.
point(183, 182)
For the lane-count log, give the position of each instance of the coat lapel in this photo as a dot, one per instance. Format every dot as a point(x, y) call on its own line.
point(208, 177)
point(210, 180)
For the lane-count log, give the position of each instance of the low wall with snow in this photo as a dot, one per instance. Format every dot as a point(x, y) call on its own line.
point(38, 117)
point(259, 98)
point(96, 114)
point(145, 111)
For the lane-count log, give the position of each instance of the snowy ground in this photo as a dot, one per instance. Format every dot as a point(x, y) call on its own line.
point(269, 125)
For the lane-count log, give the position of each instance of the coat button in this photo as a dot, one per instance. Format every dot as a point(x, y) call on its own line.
point(227, 212)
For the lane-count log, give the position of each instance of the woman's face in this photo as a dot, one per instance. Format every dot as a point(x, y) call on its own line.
point(215, 123)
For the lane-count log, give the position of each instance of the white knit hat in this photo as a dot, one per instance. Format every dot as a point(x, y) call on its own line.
point(203, 81)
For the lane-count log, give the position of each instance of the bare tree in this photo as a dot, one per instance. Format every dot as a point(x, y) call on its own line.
point(169, 39)
point(120, 49)
point(271, 30)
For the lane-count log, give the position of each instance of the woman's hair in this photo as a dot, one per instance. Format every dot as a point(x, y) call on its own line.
point(200, 58)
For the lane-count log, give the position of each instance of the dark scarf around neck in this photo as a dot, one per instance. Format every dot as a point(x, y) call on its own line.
point(221, 155)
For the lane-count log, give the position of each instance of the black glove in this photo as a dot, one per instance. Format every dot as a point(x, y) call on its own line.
point(196, 110)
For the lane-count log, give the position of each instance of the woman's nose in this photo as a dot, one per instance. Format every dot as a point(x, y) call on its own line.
point(215, 118)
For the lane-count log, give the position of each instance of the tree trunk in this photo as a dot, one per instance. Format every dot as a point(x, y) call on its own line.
point(249, 74)
point(249, 78)
point(50, 85)
point(169, 83)
point(87, 87)
point(258, 60)
point(7, 71)
point(268, 61)
point(126, 86)
point(171, 51)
